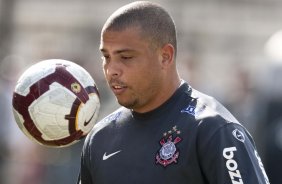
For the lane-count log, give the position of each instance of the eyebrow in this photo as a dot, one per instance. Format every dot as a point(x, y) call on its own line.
point(118, 51)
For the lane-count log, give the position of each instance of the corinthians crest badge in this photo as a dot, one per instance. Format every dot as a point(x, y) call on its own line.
point(168, 153)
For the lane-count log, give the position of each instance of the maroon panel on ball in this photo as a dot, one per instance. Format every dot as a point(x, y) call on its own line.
point(21, 104)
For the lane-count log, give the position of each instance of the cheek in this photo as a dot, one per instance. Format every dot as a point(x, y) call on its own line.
point(149, 72)
point(143, 74)
point(145, 80)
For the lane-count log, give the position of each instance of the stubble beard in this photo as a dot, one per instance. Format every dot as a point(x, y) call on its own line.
point(130, 104)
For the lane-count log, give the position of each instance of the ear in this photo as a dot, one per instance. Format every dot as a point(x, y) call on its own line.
point(168, 53)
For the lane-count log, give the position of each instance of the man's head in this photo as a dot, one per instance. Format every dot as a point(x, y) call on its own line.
point(138, 43)
point(155, 23)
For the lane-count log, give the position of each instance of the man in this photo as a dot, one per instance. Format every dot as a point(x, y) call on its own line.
point(166, 132)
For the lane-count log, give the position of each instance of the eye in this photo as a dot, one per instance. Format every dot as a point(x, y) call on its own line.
point(105, 58)
point(126, 57)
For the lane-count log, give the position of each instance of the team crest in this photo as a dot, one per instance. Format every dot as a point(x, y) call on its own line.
point(168, 152)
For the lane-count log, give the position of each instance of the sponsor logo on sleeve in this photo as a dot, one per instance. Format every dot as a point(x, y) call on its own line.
point(239, 135)
point(232, 166)
point(193, 110)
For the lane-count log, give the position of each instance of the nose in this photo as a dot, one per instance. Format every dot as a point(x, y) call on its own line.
point(112, 69)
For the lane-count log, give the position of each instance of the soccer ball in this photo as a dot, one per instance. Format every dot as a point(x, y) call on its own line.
point(56, 103)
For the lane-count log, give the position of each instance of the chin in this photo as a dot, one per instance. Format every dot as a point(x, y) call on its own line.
point(127, 104)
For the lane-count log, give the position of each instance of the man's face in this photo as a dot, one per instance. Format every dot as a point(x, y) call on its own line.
point(132, 68)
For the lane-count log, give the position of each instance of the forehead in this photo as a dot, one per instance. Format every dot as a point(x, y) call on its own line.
point(130, 38)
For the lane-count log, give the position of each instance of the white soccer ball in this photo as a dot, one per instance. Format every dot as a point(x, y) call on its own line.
point(56, 103)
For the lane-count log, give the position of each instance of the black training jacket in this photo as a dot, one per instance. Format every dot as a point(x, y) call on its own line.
point(190, 139)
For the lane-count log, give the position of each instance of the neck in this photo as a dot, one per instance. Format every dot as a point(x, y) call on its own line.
point(165, 92)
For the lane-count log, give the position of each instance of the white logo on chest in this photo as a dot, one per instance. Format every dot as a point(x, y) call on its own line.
point(167, 150)
point(105, 156)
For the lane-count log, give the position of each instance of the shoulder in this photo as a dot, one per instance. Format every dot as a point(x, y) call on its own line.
point(210, 107)
point(209, 114)
point(107, 123)
point(214, 120)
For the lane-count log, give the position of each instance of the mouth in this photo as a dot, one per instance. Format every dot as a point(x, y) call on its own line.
point(118, 89)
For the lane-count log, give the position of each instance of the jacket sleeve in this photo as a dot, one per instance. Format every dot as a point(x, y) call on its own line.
point(228, 155)
point(84, 175)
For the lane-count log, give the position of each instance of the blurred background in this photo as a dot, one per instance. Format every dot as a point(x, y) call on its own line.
point(229, 49)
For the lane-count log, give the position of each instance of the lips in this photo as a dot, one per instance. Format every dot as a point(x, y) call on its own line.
point(118, 89)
